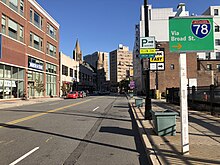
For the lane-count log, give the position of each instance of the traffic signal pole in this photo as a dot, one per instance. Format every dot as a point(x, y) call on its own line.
point(148, 106)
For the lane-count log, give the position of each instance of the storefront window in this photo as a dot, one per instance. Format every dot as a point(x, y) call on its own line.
point(21, 73)
point(1, 71)
point(51, 85)
point(11, 84)
point(15, 73)
point(7, 72)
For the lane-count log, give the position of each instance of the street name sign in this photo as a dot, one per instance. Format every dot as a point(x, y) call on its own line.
point(147, 42)
point(191, 34)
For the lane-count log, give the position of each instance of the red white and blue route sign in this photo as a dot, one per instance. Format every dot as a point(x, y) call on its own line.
point(201, 28)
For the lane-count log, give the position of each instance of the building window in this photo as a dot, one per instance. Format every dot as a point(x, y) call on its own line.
point(16, 5)
point(215, 11)
point(50, 68)
point(64, 70)
point(22, 7)
point(3, 24)
point(75, 74)
point(71, 72)
point(218, 55)
point(171, 66)
point(208, 55)
point(218, 67)
point(51, 49)
point(51, 85)
point(51, 31)
point(36, 19)
point(209, 66)
point(36, 41)
point(217, 28)
point(12, 29)
point(217, 42)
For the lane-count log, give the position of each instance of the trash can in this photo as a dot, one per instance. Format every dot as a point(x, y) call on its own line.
point(131, 94)
point(164, 122)
point(138, 102)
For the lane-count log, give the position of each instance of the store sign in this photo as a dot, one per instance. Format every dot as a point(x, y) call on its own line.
point(7, 83)
point(35, 66)
point(0, 46)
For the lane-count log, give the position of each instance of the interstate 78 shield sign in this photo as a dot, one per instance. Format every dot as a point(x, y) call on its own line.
point(191, 34)
point(201, 28)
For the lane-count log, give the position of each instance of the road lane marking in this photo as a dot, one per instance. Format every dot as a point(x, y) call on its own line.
point(24, 156)
point(9, 142)
point(95, 109)
point(48, 139)
point(41, 114)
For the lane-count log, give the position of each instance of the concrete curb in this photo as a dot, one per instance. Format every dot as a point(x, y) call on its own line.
point(149, 149)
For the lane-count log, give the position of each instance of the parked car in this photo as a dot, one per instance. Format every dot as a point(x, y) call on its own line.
point(82, 94)
point(73, 95)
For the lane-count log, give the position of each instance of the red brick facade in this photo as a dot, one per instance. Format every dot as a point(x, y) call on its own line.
point(171, 77)
point(15, 53)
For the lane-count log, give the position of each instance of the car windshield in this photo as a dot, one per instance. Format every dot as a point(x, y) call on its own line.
point(72, 92)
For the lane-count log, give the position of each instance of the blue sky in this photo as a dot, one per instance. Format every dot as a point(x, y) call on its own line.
point(100, 25)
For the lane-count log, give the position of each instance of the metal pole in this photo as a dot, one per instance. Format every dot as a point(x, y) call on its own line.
point(184, 105)
point(148, 107)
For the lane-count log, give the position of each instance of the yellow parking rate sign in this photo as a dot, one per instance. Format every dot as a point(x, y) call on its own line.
point(159, 57)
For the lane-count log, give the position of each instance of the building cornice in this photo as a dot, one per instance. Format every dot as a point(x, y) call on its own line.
point(39, 8)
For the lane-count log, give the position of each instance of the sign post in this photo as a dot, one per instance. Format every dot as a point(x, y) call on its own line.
point(188, 34)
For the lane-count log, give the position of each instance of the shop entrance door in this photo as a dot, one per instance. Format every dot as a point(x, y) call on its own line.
point(30, 89)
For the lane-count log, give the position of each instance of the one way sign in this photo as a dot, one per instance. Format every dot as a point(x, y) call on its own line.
point(157, 66)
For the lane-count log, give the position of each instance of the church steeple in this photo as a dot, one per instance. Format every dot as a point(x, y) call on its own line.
point(77, 53)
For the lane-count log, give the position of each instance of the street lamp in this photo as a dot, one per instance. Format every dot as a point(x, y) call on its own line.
point(148, 106)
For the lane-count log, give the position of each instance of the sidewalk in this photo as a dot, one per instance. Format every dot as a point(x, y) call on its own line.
point(18, 102)
point(204, 137)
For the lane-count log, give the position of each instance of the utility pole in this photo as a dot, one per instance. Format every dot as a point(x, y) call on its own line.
point(148, 106)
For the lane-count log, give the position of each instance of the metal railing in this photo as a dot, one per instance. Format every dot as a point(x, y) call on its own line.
point(206, 98)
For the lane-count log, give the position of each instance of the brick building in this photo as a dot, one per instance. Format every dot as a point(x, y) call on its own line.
point(30, 50)
point(170, 77)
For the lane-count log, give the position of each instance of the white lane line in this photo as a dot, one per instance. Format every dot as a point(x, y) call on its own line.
point(95, 109)
point(24, 156)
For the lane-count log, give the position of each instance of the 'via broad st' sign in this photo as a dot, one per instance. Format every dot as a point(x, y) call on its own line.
point(191, 34)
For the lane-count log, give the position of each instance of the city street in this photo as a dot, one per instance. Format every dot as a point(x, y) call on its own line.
point(93, 130)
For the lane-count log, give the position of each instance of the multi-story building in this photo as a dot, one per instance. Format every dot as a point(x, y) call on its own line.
point(209, 62)
point(99, 60)
point(121, 61)
point(87, 75)
point(69, 74)
point(159, 19)
point(30, 45)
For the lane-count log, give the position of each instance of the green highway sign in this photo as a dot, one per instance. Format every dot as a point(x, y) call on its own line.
point(191, 34)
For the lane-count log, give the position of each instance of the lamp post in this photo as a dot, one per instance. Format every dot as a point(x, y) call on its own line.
point(148, 107)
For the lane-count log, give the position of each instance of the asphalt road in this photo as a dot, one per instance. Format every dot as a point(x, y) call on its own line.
point(95, 130)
